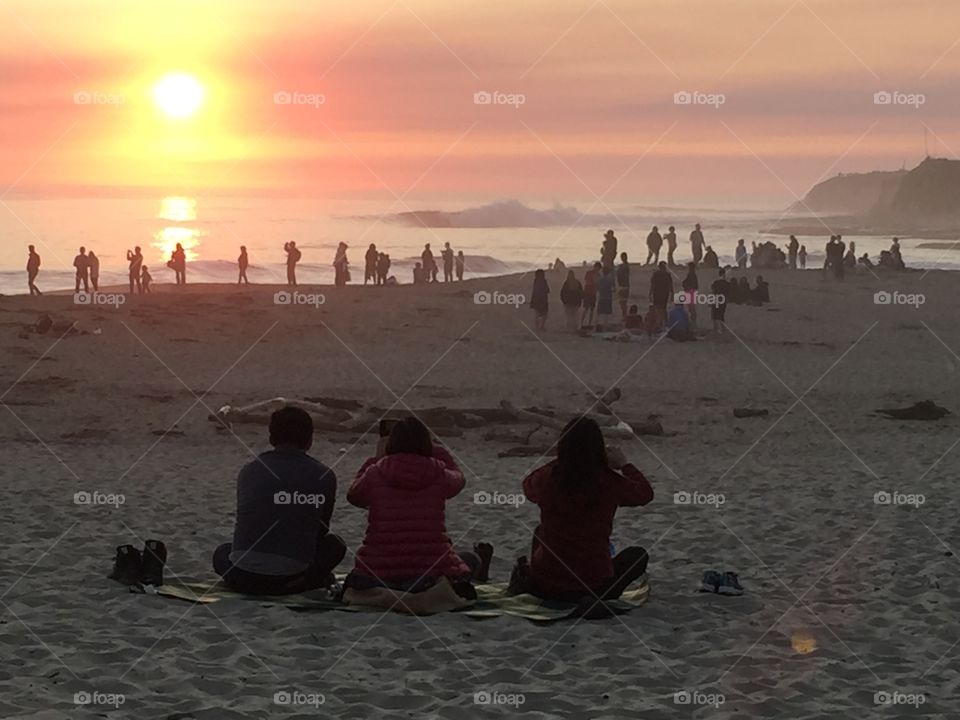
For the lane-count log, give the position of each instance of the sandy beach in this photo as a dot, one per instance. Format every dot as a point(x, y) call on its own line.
point(846, 595)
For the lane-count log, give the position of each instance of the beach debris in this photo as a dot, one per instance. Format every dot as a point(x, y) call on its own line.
point(923, 410)
point(750, 412)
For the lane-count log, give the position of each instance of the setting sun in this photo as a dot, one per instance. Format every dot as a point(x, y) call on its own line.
point(178, 95)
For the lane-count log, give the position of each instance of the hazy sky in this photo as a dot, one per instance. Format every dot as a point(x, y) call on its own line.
point(788, 95)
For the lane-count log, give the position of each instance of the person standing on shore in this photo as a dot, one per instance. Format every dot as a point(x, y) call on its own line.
point(540, 300)
point(661, 291)
point(293, 257)
point(590, 295)
point(697, 244)
point(654, 243)
point(718, 313)
point(146, 280)
point(605, 287)
point(370, 264)
point(691, 288)
point(178, 262)
point(802, 257)
point(461, 264)
point(623, 284)
point(792, 248)
point(135, 259)
point(82, 263)
point(671, 238)
point(571, 295)
point(608, 251)
point(447, 254)
point(429, 264)
point(33, 269)
point(383, 268)
point(741, 255)
point(94, 263)
point(243, 262)
point(341, 266)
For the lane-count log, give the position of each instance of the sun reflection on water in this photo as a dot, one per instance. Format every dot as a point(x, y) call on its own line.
point(177, 209)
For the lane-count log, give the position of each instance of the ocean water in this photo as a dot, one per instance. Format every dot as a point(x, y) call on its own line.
point(213, 229)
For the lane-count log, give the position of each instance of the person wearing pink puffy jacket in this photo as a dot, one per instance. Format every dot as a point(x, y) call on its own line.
point(405, 490)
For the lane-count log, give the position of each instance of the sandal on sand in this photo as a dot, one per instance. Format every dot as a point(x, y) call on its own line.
point(154, 560)
point(127, 566)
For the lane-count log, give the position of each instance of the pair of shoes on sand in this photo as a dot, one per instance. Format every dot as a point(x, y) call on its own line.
point(727, 583)
point(132, 567)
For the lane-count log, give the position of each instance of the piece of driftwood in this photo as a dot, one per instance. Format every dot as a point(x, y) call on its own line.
point(337, 403)
point(610, 425)
point(527, 451)
point(750, 412)
point(923, 410)
point(645, 427)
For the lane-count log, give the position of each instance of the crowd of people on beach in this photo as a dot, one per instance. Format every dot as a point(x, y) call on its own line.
point(284, 542)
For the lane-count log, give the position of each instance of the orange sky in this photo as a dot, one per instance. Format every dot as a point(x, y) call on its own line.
point(398, 80)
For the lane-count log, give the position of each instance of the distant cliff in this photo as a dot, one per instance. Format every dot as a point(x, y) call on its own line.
point(856, 194)
point(928, 196)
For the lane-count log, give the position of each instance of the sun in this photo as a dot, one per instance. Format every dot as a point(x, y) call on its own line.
point(178, 95)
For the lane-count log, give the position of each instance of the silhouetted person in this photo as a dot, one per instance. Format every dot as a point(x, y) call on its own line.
point(33, 269)
point(383, 268)
point(608, 251)
point(178, 261)
point(571, 296)
point(792, 247)
point(721, 291)
point(460, 262)
point(540, 300)
point(691, 287)
point(145, 280)
point(429, 264)
point(590, 278)
point(654, 243)
point(341, 266)
point(741, 254)
point(671, 238)
point(802, 257)
point(293, 257)
point(710, 259)
point(697, 244)
point(370, 260)
point(419, 275)
point(82, 264)
point(897, 256)
point(94, 263)
point(623, 283)
point(135, 259)
point(447, 254)
point(243, 262)
point(661, 291)
point(761, 293)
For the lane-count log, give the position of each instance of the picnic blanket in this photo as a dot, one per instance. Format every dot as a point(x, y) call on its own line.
point(492, 601)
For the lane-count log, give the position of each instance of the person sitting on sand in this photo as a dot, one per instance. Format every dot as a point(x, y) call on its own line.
point(419, 276)
point(571, 296)
point(540, 300)
point(633, 320)
point(282, 542)
point(866, 261)
point(578, 495)
point(802, 255)
point(590, 295)
point(661, 290)
point(897, 255)
point(146, 279)
point(710, 259)
point(605, 286)
point(761, 293)
point(652, 322)
point(678, 324)
point(404, 490)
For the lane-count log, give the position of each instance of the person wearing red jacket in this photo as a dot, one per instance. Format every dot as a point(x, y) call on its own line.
point(578, 495)
point(404, 490)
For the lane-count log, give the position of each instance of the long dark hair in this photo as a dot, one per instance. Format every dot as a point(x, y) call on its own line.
point(581, 452)
point(409, 436)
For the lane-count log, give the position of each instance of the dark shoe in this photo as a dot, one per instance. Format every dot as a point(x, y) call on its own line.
point(518, 577)
point(128, 566)
point(154, 560)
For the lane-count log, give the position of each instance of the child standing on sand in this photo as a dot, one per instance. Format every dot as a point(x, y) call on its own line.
point(146, 279)
point(802, 255)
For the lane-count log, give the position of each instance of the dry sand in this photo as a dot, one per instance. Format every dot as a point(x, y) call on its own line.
point(845, 598)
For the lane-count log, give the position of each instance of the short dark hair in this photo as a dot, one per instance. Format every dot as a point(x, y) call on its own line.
point(409, 436)
point(291, 426)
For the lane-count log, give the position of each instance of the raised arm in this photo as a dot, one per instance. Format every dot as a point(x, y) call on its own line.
point(453, 479)
point(358, 494)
